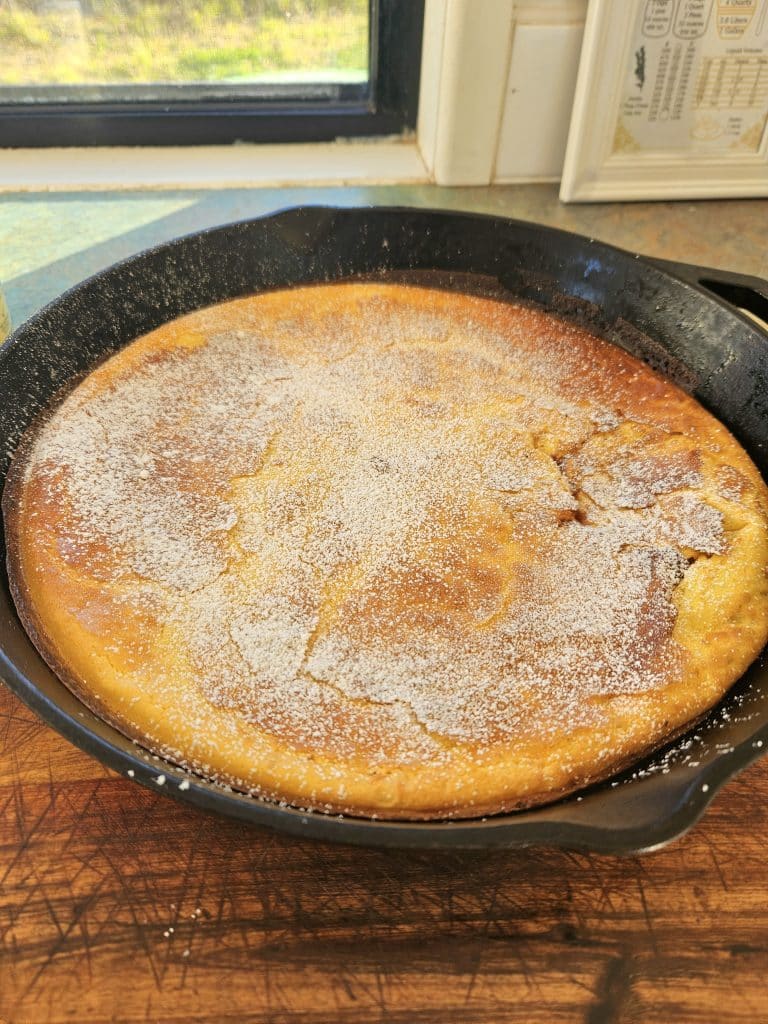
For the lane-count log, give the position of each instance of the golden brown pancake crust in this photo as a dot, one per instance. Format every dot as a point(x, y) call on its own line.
point(388, 550)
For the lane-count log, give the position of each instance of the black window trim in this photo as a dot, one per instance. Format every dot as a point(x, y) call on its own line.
point(349, 112)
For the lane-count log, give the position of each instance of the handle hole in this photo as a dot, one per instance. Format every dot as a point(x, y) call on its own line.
point(747, 300)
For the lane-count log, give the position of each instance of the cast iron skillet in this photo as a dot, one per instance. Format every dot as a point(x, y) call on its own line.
point(673, 316)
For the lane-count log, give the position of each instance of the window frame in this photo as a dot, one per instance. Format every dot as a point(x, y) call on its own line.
point(389, 107)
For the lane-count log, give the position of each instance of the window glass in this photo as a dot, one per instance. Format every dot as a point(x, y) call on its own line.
point(108, 50)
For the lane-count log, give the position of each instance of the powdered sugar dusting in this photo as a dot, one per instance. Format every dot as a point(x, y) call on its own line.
point(382, 530)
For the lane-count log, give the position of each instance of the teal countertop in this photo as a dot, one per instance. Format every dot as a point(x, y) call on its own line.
point(51, 241)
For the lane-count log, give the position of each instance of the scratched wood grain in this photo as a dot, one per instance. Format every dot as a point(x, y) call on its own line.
point(117, 904)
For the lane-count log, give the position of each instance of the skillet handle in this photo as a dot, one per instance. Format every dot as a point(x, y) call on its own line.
point(747, 293)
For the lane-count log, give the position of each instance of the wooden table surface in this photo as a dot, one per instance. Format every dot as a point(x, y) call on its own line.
point(119, 905)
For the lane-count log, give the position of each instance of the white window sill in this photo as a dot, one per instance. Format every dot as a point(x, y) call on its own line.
point(238, 166)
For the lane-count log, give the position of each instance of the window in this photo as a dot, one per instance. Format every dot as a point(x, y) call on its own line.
point(156, 72)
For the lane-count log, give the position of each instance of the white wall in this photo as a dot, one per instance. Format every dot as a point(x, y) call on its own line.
point(498, 78)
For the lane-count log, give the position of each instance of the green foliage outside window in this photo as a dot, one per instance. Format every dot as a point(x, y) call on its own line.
point(48, 42)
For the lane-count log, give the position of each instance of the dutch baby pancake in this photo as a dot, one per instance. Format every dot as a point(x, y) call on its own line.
point(388, 550)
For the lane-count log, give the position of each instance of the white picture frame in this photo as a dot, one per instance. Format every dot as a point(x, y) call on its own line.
point(599, 168)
